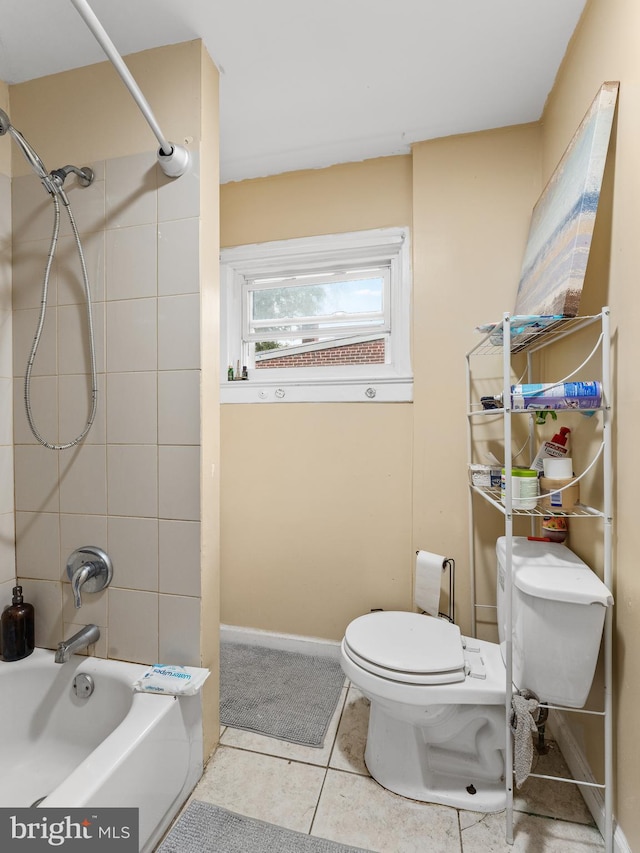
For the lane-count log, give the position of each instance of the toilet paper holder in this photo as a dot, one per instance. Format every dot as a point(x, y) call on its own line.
point(449, 564)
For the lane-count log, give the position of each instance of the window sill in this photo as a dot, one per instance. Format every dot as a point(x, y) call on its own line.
point(375, 391)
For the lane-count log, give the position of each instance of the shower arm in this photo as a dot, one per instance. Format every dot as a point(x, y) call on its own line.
point(173, 159)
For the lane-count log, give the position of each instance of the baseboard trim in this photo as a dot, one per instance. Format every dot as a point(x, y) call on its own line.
point(579, 767)
point(285, 642)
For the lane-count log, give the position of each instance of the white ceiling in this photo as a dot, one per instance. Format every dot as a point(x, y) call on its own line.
point(308, 84)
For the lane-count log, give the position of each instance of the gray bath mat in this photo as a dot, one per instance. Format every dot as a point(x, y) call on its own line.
point(286, 695)
point(205, 828)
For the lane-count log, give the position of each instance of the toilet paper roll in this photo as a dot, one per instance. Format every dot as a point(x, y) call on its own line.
point(429, 568)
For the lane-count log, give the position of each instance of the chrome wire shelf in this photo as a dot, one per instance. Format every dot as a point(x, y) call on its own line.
point(492, 495)
point(525, 335)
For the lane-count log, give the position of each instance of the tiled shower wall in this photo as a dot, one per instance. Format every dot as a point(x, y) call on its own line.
point(133, 486)
point(7, 553)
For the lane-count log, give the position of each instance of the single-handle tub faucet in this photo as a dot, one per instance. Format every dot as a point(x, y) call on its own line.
point(90, 569)
point(84, 637)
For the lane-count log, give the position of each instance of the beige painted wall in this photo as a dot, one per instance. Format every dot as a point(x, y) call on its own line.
point(381, 480)
point(316, 508)
point(137, 486)
point(605, 48)
point(209, 402)
point(472, 199)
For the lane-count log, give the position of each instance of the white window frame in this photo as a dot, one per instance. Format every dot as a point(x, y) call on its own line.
point(389, 382)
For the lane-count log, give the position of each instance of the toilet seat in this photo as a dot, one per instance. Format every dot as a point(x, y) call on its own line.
point(406, 647)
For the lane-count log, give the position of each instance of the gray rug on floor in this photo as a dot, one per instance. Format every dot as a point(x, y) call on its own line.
point(286, 695)
point(204, 828)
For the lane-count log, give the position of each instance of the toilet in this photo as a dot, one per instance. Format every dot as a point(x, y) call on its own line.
point(437, 729)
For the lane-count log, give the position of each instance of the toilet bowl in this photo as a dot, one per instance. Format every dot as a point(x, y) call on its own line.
point(437, 725)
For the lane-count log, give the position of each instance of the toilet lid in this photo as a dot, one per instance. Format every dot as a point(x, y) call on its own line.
point(407, 647)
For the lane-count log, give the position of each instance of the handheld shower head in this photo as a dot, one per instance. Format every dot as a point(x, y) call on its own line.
point(5, 124)
point(29, 154)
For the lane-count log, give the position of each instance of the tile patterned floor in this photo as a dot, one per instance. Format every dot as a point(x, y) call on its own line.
point(329, 793)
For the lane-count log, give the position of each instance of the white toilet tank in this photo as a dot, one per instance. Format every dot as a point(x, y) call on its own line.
point(558, 615)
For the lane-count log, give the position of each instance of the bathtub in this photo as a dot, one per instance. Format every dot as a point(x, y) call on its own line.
point(114, 748)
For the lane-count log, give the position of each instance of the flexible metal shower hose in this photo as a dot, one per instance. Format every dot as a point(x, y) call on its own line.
point(38, 334)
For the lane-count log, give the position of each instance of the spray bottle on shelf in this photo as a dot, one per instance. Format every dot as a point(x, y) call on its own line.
point(556, 448)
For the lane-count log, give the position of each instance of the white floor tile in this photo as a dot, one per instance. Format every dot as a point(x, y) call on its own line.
point(356, 810)
point(486, 834)
point(348, 752)
point(261, 786)
point(552, 799)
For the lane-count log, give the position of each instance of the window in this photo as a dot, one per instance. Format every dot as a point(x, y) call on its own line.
point(317, 319)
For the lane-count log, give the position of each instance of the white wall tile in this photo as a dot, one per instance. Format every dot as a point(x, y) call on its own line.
point(6, 588)
point(74, 400)
point(131, 184)
point(179, 557)
point(179, 407)
point(83, 480)
point(28, 267)
point(6, 410)
point(46, 597)
point(73, 338)
point(6, 343)
point(69, 274)
point(87, 207)
point(179, 623)
point(132, 262)
point(180, 199)
point(179, 332)
point(77, 531)
point(36, 471)
point(6, 476)
point(132, 480)
point(133, 548)
point(132, 408)
point(132, 337)
point(93, 610)
point(31, 209)
point(44, 409)
point(38, 545)
point(5, 207)
point(179, 257)
point(133, 625)
point(179, 483)
point(25, 324)
point(7, 549)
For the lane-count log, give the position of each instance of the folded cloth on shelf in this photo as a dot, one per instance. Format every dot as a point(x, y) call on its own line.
point(171, 680)
point(523, 725)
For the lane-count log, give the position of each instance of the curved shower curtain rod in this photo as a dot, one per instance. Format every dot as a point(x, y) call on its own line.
point(173, 159)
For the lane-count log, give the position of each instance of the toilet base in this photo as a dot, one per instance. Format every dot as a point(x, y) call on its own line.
point(456, 760)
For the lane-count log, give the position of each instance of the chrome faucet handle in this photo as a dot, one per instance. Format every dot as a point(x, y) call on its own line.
point(90, 569)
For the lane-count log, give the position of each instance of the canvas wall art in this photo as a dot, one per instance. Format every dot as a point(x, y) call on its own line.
point(562, 222)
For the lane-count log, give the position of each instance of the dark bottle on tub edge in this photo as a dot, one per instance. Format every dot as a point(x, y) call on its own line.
point(17, 628)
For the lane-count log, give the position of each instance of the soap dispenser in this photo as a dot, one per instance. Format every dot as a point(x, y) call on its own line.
point(17, 628)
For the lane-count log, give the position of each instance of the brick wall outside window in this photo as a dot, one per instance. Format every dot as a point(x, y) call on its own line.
point(367, 352)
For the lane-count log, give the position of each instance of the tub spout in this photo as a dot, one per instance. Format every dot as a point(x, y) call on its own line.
point(85, 637)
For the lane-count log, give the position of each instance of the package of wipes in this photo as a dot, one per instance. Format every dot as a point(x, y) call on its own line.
point(171, 680)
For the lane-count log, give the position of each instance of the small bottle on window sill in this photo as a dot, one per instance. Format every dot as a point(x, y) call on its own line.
point(245, 372)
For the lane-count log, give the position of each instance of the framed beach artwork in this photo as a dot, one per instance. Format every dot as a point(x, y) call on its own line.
point(563, 218)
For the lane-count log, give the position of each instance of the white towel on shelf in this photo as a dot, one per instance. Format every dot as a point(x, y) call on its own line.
point(523, 725)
